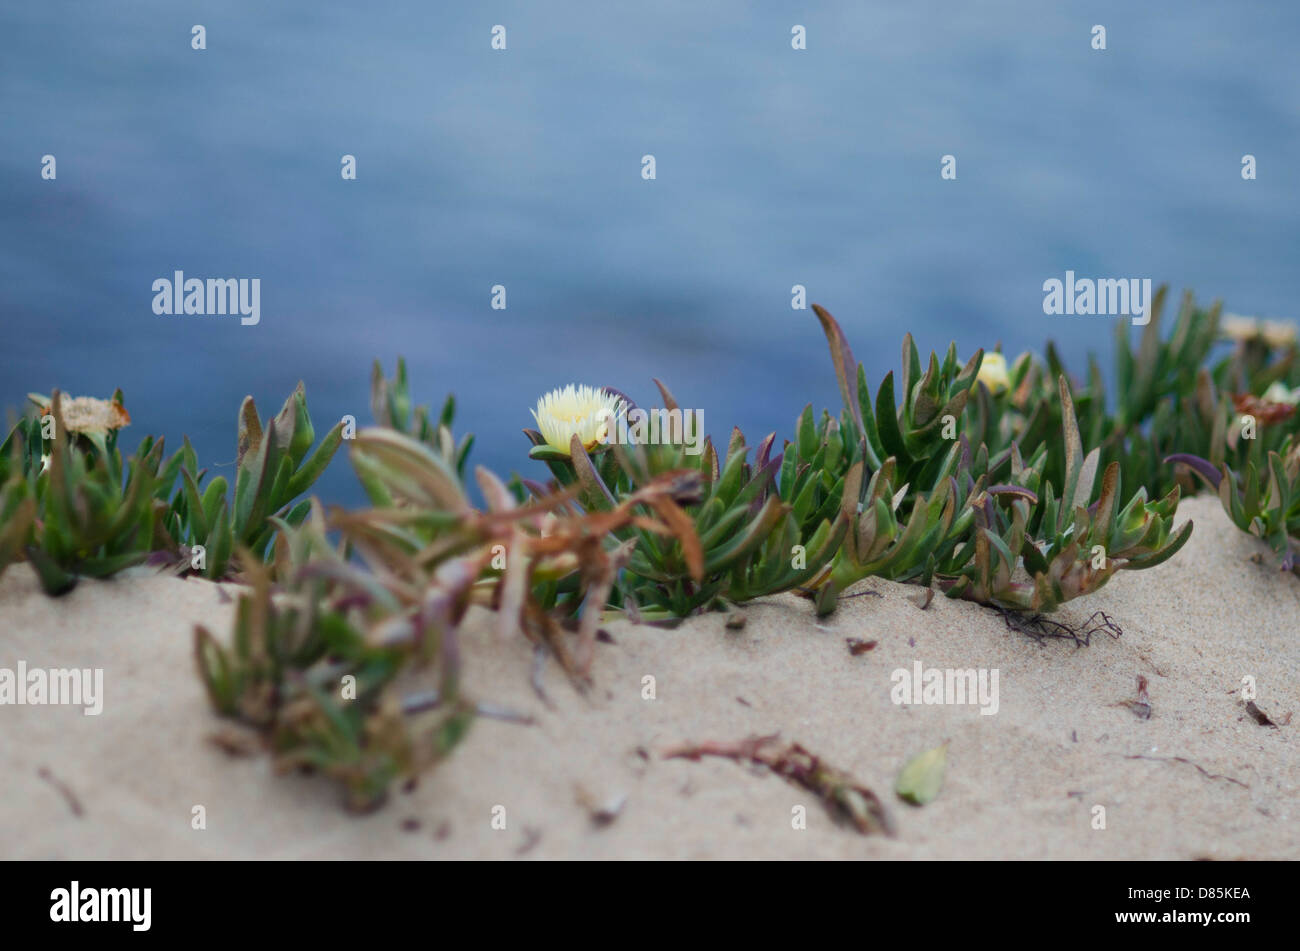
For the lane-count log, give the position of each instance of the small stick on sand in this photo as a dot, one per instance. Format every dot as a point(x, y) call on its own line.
point(843, 796)
point(1178, 759)
point(64, 789)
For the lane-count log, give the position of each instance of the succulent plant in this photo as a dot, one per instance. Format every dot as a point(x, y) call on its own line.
point(413, 472)
point(20, 464)
point(944, 514)
point(1065, 546)
point(879, 542)
point(333, 672)
point(272, 469)
point(997, 484)
point(17, 515)
point(390, 401)
point(1167, 396)
point(814, 466)
point(917, 433)
point(1251, 460)
point(1177, 411)
point(70, 505)
point(1264, 500)
point(739, 529)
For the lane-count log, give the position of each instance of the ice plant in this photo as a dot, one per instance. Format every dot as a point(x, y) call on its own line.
point(738, 529)
point(272, 470)
point(1263, 500)
point(1035, 548)
point(1254, 464)
point(928, 503)
point(17, 499)
point(390, 401)
point(1008, 493)
point(325, 673)
point(587, 412)
point(1165, 395)
point(993, 372)
point(381, 610)
point(73, 507)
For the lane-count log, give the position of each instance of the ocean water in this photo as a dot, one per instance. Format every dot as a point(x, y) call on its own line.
point(522, 167)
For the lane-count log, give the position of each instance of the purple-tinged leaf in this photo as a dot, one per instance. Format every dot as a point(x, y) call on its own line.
point(536, 488)
point(842, 358)
point(669, 402)
point(1205, 469)
point(1016, 490)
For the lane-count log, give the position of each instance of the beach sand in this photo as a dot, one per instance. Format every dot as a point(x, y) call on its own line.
point(1022, 783)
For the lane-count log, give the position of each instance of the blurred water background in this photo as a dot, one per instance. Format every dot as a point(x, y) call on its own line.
point(522, 168)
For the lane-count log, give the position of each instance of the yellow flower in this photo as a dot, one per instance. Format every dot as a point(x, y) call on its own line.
point(993, 372)
point(1275, 333)
point(584, 411)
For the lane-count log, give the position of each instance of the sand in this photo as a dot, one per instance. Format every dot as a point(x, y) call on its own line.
point(1022, 783)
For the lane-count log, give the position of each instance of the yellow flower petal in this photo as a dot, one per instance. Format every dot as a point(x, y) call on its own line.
point(993, 372)
point(585, 411)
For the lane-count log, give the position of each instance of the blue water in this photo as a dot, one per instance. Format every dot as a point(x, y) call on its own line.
point(522, 167)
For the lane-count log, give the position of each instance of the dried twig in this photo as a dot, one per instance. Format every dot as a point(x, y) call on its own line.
point(1042, 628)
point(64, 790)
point(843, 796)
point(1179, 759)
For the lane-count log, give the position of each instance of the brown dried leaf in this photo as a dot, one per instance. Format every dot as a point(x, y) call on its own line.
point(1259, 715)
point(684, 528)
point(1263, 410)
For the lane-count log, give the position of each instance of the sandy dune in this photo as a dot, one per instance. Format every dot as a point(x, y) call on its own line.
point(1022, 783)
